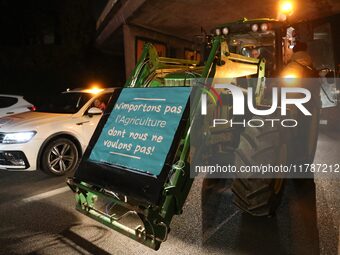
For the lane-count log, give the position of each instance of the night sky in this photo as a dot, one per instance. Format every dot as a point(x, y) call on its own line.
point(47, 47)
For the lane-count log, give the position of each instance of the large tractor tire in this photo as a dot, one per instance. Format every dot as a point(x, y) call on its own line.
point(260, 145)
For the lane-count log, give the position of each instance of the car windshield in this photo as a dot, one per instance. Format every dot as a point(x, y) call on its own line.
point(65, 103)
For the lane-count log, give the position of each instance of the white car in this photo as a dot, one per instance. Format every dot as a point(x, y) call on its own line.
point(53, 137)
point(11, 104)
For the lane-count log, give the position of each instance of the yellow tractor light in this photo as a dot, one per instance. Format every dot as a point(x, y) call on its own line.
point(94, 89)
point(286, 7)
point(290, 76)
point(290, 79)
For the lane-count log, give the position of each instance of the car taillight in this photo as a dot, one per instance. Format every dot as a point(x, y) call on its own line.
point(32, 108)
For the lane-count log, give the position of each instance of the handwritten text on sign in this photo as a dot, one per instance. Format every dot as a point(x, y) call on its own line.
point(141, 127)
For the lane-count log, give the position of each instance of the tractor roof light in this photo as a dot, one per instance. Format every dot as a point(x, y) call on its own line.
point(286, 7)
point(225, 31)
point(255, 27)
point(264, 27)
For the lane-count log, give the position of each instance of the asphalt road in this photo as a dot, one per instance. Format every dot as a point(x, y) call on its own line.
point(38, 217)
point(327, 194)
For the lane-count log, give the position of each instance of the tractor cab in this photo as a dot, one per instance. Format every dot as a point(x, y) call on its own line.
point(273, 41)
point(257, 38)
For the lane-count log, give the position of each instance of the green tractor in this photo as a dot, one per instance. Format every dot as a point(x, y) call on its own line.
point(245, 53)
point(270, 42)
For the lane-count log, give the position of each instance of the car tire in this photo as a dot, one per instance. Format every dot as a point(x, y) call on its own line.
point(59, 157)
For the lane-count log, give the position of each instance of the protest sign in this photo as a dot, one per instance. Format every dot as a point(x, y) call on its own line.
point(141, 127)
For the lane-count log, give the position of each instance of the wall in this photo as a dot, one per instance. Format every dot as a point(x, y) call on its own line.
point(175, 46)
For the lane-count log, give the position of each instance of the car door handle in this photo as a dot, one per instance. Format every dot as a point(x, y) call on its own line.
point(81, 123)
point(9, 112)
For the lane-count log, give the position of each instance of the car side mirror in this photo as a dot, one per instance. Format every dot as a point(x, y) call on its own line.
point(94, 111)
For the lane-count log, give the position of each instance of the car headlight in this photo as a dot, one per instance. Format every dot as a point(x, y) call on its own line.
point(17, 137)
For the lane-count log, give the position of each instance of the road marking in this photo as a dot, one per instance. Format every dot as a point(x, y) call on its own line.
point(45, 195)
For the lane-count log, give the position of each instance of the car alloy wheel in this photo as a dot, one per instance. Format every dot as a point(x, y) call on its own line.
point(60, 157)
